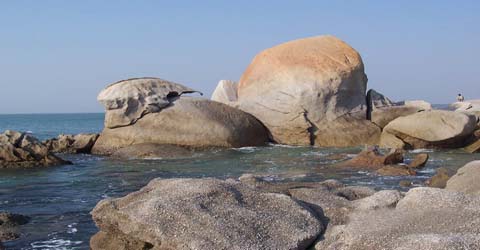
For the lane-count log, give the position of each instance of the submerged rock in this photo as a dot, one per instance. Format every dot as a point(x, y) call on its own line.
point(419, 161)
point(429, 129)
point(371, 158)
point(398, 170)
point(21, 150)
point(466, 180)
point(81, 143)
point(9, 225)
point(309, 91)
point(152, 151)
point(187, 121)
point(204, 214)
point(439, 180)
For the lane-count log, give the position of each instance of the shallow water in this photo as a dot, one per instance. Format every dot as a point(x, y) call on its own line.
point(59, 199)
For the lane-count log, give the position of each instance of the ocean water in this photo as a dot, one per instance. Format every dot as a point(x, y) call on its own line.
point(59, 199)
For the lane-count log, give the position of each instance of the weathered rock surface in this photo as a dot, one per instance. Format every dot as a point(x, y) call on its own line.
point(474, 147)
point(21, 150)
point(81, 143)
point(420, 104)
point(152, 151)
point(9, 225)
point(309, 92)
point(187, 121)
point(225, 92)
point(398, 170)
point(429, 129)
point(377, 100)
point(383, 116)
point(129, 100)
point(419, 161)
point(426, 218)
point(439, 180)
point(204, 214)
point(372, 158)
point(466, 180)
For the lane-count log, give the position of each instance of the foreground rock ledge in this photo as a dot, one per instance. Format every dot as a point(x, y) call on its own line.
point(203, 214)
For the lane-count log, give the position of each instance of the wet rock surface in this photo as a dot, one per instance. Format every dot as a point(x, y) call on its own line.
point(21, 150)
point(9, 225)
point(81, 143)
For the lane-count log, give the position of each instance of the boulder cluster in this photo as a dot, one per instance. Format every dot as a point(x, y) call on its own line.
point(251, 213)
point(24, 151)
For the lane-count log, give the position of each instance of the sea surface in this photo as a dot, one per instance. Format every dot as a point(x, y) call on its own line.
point(59, 199)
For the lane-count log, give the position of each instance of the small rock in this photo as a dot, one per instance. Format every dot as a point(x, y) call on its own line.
point(9, 225)
point(439, 180)
point(405, 183)
point(397, 170)
point(371, 158)
point(419, 161)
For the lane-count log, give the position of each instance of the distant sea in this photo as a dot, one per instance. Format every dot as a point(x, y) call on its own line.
point(59, 199)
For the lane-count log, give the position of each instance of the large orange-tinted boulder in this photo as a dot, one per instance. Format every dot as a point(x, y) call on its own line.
point(309, 92)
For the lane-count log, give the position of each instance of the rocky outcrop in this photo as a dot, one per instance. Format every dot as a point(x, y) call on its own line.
point(429, 129)
point(309, 92)
point(129, 100)
point(426, 218)
point(21, 150)
point(466, 180)
point(204, 214)
point(382, 116)
point(76, 144)
point(378, 100)
point(372, 158)
point(225, 92)
point(188, 121)
point(9, 225)
point(153, 111)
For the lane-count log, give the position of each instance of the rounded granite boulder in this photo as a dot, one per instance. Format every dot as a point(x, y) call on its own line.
point(309, 91)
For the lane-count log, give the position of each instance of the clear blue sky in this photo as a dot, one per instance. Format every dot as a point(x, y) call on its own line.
point(55, 56)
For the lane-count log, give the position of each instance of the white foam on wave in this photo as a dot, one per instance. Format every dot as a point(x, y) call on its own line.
point(59, 244)
point(314, 153)
point(283, 146)
point(422, 150)
point(71, 229)
point(246, 149)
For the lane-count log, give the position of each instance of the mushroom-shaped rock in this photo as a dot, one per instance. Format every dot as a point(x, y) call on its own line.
point(309, 92)
point(128, 100)
point(205, 214)
point(429, 129)
point(187, 121)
